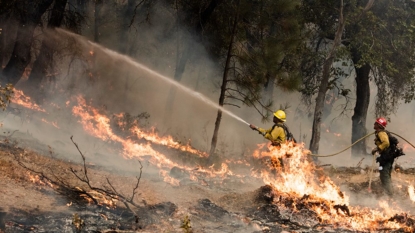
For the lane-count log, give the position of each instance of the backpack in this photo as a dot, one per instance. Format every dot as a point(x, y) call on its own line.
point(288, 135)
point(394, 150)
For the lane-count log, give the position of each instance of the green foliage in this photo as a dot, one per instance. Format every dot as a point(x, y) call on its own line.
point(187, 228)
point(5, 95)
point(382, 37)
point(265, 48)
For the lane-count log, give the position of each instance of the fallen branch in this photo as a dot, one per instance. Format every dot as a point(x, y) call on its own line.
point(63, 187)
point(110, 192)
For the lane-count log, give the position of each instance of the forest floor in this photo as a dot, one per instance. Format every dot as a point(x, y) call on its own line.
point(25, 193)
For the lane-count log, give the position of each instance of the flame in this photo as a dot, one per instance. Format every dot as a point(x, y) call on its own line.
point(98, 125)
point(21, 99)
point(103, 200)
point(297, 174)
point(289, 171)
point(36, 179)
point(55, 124)
point(294, 176)
point(166, 141)
point(411, 193)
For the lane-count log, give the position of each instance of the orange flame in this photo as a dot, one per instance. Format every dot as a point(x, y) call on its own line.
point(25, 101)
point(166, 141)
point(55, 124)
point(296, 177)
point(102, 199)
point(289, 171)
point(36, 179)
point(98, 125)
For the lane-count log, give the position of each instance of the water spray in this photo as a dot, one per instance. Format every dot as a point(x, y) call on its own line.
point(165, 78)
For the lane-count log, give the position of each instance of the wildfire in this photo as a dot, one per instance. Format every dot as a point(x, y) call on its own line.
point(94, 196)
point(289, 170)
point(411, 193)
point(55, 124)
point(293, 176)
point(296, 173)
point(166, 141)
point(36, 179)
point(99, 126)
point(25, 101)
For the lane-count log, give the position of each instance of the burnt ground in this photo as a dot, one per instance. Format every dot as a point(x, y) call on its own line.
point(32, 203)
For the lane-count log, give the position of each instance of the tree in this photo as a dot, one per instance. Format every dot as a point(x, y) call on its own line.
point(388, 52)
point(261, 42)
point(28, 15)
point(378, 40)
point(224, 83)
point(45, 57)
point(324, 85)
point(6, 26)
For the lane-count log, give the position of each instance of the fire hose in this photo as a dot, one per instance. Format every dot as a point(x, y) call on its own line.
point(316, 155)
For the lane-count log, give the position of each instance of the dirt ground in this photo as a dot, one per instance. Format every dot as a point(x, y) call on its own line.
point(24, 192)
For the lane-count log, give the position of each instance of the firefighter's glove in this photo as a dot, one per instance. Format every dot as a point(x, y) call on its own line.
point(253, 127)
point(374, 150)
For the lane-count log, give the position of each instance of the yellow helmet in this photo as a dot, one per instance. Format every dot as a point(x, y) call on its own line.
point(280, 115)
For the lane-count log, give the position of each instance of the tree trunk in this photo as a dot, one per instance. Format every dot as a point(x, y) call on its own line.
point(362, 104)
point(178, 74)
point(269, 88)
point(97, 19)
point(29, 19)
point(223, 90)
point(315, 136)
point(78, 14)
point(9, 34)
point(127, 14)
point(3, 24)
point(318, 110)
point(45, 57)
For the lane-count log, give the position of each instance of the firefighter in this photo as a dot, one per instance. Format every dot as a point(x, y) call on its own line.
point(385, 160)
point(276, 134)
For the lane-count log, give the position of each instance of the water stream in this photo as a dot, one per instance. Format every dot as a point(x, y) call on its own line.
point(140, 66)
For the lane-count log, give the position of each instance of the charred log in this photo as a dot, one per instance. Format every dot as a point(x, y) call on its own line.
point(265, 194)
point(343, 208)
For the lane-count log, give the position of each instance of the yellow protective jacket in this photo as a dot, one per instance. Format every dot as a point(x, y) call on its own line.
point(382, 141)
point(276, 134)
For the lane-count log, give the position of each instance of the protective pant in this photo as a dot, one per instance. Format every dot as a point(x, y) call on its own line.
point(386, 178)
